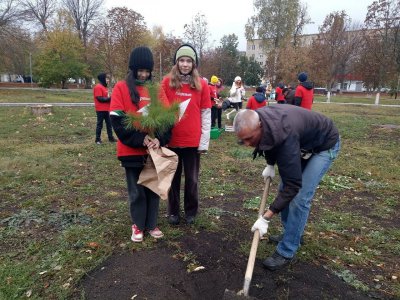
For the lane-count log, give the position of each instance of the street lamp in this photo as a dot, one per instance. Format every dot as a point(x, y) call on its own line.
point(30, 67)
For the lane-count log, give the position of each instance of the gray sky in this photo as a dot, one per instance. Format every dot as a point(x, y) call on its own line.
point(225, 17)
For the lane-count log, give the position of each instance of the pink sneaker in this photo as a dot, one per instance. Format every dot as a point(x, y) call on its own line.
point(137, 234)
point(156, 233)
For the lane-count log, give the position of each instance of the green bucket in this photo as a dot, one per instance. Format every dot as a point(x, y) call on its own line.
point(215, 133)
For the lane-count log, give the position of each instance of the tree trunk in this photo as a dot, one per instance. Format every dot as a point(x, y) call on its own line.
point(378, 94)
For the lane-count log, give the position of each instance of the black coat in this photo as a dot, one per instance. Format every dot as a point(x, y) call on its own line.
point(287, 131)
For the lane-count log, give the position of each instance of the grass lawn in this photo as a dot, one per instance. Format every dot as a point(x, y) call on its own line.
point(63, 206)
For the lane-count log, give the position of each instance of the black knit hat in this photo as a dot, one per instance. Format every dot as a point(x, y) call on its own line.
point(141, 58)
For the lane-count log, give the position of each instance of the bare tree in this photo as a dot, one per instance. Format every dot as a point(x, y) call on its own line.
point(334, 49)
point(83, 13)
point(383, 22)
point(41, 10)
point(123, 30)
point(197, 33)
point(164, 49)
point(10, 12)
point(302, 20)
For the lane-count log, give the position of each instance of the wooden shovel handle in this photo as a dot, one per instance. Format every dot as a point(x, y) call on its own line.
point(254, 244)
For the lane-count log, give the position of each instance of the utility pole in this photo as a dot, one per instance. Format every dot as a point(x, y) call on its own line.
point(30, 68)
point(160, 68)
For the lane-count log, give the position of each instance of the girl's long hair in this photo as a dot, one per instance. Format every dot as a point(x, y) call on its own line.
point(176, 82)
point(133, 92)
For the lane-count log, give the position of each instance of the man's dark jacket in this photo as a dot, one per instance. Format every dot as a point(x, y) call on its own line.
point(287, 131)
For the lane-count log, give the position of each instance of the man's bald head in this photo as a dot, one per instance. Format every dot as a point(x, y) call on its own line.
point(246, 119)
point(247, 127)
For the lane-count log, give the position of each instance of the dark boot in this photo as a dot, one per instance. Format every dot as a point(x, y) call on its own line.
point(173, 220)
point(190, 220)
point(276, 262)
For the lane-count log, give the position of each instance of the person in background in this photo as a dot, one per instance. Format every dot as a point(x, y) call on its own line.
point(237, 92)
point(191, 134)
point(280, 99)
point(288, 93)
point(130, 96)
point(216, 110)
point(220, 88)
point(257, 100)
point(303, 144)
point(102, 107)
point(304, 95)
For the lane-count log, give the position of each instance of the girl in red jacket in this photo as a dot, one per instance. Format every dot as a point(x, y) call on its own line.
point(191, 135)
point(130, 95)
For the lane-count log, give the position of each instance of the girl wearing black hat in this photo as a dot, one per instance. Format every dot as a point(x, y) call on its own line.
point(131, 95)
point(191, 135)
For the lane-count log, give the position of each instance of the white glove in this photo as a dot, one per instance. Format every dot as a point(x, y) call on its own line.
point(269, 171)
point(261, 225)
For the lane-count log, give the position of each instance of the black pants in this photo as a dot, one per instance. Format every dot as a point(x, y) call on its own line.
point(237, 105)
point(143, 203)
point(216, 113)
point(189, 159)
point(103, 115)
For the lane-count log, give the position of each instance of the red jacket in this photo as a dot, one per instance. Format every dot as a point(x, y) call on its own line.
point(279, 95)
point(305, 93)
point(187, 131)
point(100, 91)
point(213, 93)
point(252, 103)
point(121, 103)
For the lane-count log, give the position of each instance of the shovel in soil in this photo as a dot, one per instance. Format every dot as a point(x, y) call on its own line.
point(253, 251)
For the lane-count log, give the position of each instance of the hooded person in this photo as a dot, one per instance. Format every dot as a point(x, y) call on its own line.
point(304, 94)
point(191, 135)
point(257, 100)
point(102, 107)
point(132, 96)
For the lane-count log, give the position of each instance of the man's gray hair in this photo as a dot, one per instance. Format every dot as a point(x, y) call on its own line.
point(245, 118)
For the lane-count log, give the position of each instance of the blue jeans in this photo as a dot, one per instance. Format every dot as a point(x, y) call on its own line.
point(294, 216)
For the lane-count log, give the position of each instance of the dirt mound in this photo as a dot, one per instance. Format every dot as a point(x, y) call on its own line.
point(167, 272)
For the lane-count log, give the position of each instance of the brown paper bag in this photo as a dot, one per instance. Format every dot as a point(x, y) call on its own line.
point(159, 171)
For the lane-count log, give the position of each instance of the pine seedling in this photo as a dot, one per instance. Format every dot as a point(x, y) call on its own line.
point(156, 118)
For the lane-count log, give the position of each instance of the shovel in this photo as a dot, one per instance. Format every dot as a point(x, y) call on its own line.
point(253, 251)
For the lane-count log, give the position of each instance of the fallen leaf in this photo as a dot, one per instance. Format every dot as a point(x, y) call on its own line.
point(93, 245)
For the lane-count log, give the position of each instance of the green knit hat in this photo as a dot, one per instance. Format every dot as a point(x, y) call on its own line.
point(186, 50)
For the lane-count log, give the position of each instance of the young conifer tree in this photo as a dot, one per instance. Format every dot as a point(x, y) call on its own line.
point(156, 118)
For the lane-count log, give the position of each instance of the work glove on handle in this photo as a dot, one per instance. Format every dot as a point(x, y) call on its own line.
point(261, 225)
point(269, 171)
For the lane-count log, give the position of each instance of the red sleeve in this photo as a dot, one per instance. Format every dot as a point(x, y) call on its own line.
point(117, 99)
point(250, 103)
point(298, 92)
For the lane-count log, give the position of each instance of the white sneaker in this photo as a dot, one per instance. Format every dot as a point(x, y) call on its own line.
point(137, 234)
